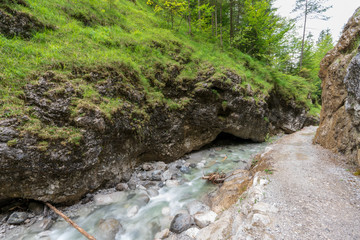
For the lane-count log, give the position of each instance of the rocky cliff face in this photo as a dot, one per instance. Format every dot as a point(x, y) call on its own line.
point(339, 119)
point(74, 147)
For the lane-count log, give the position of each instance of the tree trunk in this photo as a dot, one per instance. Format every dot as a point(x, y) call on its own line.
point(221, 39)
point(231, 21)
point(303, 38)
point(199, 13)
point(216, 20)
point(189, 18)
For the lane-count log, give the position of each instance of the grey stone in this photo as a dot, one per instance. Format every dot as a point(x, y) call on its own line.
point(163, 234)
point(172, 183)
point(17, 218)
point(122, 187)
point(180, 223)
point(204, 219)
point(192, 232)
point(195, 207)
point(42, 225)
point(147, 167)
point(108, 228)
point(185, 170)
point(152, 192)
point(106, 199)
point(132, 211)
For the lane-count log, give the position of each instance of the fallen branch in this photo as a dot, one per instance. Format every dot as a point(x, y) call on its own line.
point(215, 177)
point(82, 231)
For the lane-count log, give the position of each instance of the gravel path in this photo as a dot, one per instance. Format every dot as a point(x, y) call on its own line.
point(317, 197)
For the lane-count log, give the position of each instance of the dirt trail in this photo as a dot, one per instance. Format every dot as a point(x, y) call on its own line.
point(317, 198)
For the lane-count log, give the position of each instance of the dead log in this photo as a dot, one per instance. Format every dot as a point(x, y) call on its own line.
point(82, 231)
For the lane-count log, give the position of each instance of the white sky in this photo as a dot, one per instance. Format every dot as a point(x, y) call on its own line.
point(340, 13)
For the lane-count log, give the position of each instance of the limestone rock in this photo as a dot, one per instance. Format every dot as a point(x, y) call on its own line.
point(195, 207)
point(204, 219)
point(180, 223)
point(17, 218)
point(192, 232)
point(339, 72)
point(106, 199)
point(108, 228)
point(163, 234)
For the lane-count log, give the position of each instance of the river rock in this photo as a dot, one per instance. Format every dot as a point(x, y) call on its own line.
point(132, 211)
point(17, 218)
point(156, 175)
point(36, 208)
point(163, 234)
point(185, 170)
point(167, 174)
point(152, 192)
point(160, 166)
point(204, 219)
point(192, 232)
point(142, 198)
point(122, 187)
point(147, 167)
point(108, 228)
point(106, 199)
point(192, 165)
point(42, 225)
point(165, 211)
point(195, 207)
point(180, 223)
point(172, 183)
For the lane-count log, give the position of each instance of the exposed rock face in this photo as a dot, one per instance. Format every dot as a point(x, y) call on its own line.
point(340, 120)
point(46, 166)
point(14, 23)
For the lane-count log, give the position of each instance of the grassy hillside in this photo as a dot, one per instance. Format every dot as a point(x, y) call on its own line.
point(94, 34)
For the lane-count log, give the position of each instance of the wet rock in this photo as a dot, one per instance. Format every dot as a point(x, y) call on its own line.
point(17, 218)
point(185, 170)
point(42, 225)
point(143, 198)
point(152, 192)
point(147, 167)
point(195, 207)
point(89, 197)
point(132, 184)
point(180, 223)
point(156, 175)
point(167, 175)
point(132, 211)
point(160, 166)
point(106, 199)
point(172, 183)
point(36, 208)
point(165, 211)
point(122, 187)
point(163, 234)
point(108, 228)
point(161, 184)
point(204, 219)
point(192, 165)
point(192, 232)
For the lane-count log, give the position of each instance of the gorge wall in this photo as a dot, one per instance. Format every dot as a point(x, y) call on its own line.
point(38, 164)
point(339, 128)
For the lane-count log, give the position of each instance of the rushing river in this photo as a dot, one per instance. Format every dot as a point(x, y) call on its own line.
point(157, 214)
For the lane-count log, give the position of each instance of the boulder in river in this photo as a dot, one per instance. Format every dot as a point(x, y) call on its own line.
point(180, 223)
point(108, 228)
point(197, 207)
point(17, 218)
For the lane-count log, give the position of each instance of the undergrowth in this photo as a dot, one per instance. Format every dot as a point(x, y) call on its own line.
point(94, 32)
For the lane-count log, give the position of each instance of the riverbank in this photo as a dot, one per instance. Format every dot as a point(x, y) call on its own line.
point(306, 193)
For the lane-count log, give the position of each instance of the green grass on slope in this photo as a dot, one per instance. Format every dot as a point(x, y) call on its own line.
point(93, 33)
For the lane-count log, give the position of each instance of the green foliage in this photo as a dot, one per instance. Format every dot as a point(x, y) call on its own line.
point(12, 142)
point(261, 30)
